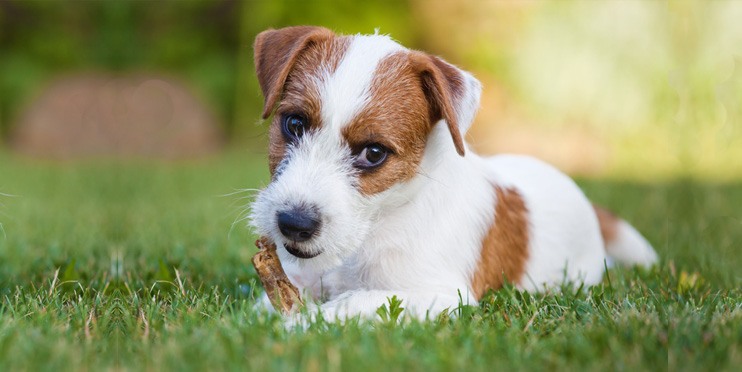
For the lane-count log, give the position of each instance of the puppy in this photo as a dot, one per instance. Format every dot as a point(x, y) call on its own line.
point(374, 192)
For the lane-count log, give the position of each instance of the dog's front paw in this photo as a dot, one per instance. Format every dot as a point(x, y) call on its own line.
point(303, 318)
point(345, 309)
point(329, 312)
point(296, 322)
point(263, 304)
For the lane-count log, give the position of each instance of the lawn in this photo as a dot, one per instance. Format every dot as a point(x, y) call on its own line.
point(137, 265)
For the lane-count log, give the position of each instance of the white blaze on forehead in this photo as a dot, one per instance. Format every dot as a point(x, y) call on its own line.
point(347, 90)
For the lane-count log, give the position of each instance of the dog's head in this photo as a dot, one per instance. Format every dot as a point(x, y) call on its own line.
point(352, 119)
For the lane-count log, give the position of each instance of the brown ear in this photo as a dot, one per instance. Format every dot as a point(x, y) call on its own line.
point(275, 53)
point(453, 94)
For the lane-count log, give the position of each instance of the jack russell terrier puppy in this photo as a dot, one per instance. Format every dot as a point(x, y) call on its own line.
point(374, 192)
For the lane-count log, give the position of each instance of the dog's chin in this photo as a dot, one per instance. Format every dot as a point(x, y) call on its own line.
point(298, 253)
point(311, 257)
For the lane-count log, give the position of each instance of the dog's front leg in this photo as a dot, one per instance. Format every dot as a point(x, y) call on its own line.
point(365, 303)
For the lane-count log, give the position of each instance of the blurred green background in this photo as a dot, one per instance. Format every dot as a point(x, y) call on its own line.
point(621, 89)
point(125, 247)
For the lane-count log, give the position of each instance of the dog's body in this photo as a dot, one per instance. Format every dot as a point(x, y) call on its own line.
point(370, 198)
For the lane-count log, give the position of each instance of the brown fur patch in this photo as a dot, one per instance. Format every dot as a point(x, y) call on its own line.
point(505, 247)
point(608, 223)
point(396, 117)
point(275, 54)
point(301, 94)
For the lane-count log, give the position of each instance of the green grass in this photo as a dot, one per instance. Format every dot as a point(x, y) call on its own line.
point(131, 266)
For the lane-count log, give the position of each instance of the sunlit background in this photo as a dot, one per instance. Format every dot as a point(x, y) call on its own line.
point(621, 89)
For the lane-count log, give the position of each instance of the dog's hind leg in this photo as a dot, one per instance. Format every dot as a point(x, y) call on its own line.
point(623, 243)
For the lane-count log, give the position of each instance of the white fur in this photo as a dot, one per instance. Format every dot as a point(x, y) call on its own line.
point(420, 240)
point(347, 90)
point(315, 172)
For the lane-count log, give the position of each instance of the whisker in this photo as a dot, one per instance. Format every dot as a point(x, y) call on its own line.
point(242, 216)
point(238, 191)
point(232, 204)
point(2, 213)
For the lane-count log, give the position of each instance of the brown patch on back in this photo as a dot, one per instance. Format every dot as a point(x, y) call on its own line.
point(505, 247)
point(397, 117)
point(608, 223)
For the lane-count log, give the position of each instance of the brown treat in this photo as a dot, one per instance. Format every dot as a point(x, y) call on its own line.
point(281, 292)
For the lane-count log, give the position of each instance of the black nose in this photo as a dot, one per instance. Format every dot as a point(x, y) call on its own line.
point(298, 224)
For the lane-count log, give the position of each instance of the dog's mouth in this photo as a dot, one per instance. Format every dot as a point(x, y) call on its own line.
point(298, 253)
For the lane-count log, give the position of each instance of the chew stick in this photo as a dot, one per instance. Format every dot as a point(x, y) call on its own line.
point(281, 292)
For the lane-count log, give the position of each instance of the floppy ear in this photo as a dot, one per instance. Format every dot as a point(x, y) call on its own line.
point(275, 53)
point(453, 94)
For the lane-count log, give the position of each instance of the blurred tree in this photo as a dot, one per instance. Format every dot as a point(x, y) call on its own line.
point(206, 43)
point(194, 40)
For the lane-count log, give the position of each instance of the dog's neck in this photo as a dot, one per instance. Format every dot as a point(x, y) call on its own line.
point(447, 188)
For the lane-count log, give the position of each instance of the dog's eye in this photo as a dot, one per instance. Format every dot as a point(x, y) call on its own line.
point(371, 156)
point(294, 126)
